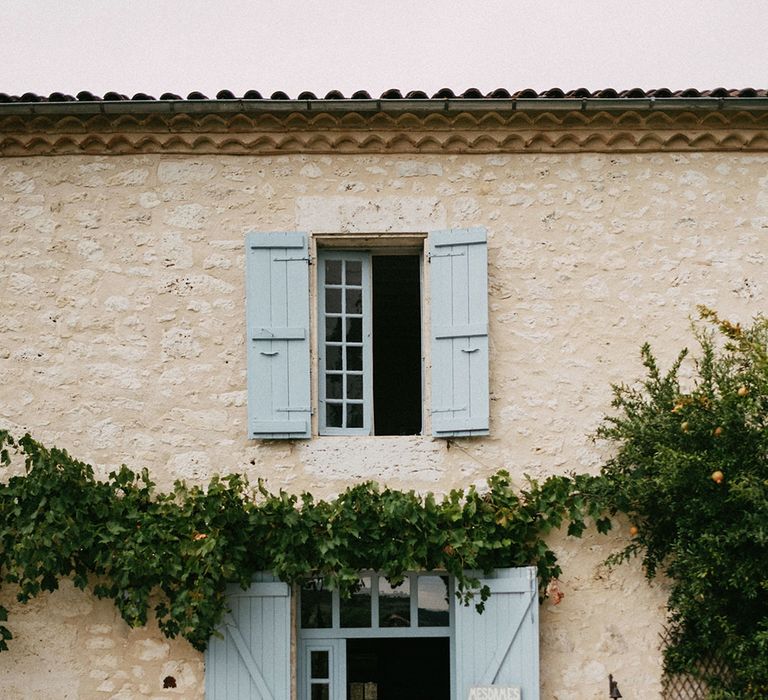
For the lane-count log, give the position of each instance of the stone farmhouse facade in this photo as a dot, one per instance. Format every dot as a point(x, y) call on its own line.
point(136, 238)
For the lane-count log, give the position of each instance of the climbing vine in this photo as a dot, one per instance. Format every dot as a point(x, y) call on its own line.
point(177, 551)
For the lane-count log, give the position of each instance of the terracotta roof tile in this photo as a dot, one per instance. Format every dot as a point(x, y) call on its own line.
point(395, 94)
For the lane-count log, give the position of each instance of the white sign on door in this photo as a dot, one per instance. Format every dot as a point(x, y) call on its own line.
point(494, 692)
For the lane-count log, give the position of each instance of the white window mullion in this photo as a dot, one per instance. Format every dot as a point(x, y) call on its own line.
point(367, 345)
point(414, 586)
point(375, 601)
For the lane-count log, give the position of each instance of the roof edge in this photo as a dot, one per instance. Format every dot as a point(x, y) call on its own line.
point(443, 105)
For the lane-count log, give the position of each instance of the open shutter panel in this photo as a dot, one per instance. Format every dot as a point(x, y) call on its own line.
point(253, 659)
point(277, 288)
point(500, 647)
point(459, 304)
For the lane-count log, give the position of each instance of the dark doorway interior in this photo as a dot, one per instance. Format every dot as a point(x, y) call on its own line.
point(396, 345)
point(398, 669)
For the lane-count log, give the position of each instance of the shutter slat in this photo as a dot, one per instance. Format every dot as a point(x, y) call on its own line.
point(459, 304)
point(278, 426)
point(280, 333)
point(277, 290)
point(460, 331)
point(458, 236)
point(277, 239)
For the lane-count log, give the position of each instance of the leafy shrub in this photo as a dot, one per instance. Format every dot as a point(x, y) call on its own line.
point(691, 471)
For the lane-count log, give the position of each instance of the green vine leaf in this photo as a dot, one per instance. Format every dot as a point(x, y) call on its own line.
point(132, 544)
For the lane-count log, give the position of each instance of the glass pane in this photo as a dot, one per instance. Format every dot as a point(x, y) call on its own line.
point(354, 415)
point(355, 330)
point(354, 272)
point(354, 386)
point(333, 357)
point(315, 605)
point(333, 383)
point(333, 329)
point(319, 664)
point(333, 301)
point(356, 611)
point(394, 604)
point(354, 357)
point(433, 601)
point(320, 692)
point(354, 301)
point(333, 415)
point(333, 271)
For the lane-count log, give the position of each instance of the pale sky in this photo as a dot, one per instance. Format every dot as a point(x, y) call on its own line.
point(158, 46)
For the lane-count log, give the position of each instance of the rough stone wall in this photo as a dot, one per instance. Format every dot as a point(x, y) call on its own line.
point(122, 340)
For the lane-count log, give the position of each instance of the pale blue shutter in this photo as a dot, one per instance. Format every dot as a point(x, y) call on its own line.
point(459, 329)
point(277, 296)
point(252, 660)
point(500, 647)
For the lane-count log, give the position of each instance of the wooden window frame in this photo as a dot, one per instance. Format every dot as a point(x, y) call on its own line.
point(364, 248)
point(364, 258)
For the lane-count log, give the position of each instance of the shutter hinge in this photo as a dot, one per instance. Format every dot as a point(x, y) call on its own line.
point(293, 410)
point(305, 258)
point(446, 255)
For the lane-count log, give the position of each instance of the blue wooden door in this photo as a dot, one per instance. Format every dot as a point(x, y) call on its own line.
point(252, 660)
point(500, 647)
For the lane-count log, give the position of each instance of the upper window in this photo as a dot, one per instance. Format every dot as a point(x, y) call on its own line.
point(369, 343)
point(369, 338)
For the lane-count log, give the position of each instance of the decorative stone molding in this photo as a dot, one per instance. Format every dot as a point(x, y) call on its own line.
point(411, 132)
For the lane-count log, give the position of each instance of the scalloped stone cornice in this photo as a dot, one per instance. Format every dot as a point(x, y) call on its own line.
point(626, 131)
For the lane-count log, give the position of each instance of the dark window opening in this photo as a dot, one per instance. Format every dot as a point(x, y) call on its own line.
point(396, 345)
point(398, 669)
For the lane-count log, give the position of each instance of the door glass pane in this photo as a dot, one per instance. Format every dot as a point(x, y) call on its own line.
point(333, 301)
point(354, 272)
point(354, 415)
point(333, 384)
point(333, 271)
point(354, 301)
point(356, 611)
point(320, 692)
point(394, 604)
point(433, 601)
point(333, 415)
point(319, 664)
point(333, 329)
point(315, 605)
point(354, 357)
point(355, 330)
point(354, 386)
point(333, 357)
